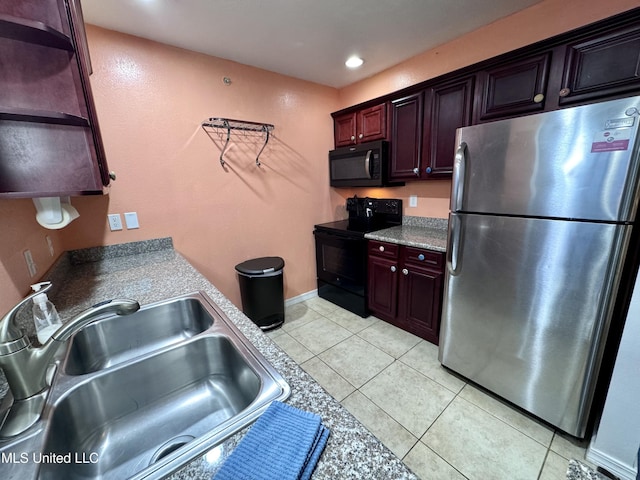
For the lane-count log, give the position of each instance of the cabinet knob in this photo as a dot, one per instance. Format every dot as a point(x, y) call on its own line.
point(353, 137)
point(421, 257)
point(428, 169)
point(112, 175)
point(360, 136)
point(564, 92)
point(405, 271)
point(393, 268)
point(416, 171)
point(538, 98)
point(381, 248)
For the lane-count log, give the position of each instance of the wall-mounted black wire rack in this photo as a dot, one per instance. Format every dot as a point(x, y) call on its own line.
point(223, 127)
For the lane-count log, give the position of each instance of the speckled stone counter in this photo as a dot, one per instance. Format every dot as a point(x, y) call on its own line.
point(420, 232)
point(153, 271)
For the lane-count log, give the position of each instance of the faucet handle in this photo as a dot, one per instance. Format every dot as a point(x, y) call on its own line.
point(9, 331)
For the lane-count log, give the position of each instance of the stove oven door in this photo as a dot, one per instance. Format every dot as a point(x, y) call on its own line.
point(341, 261)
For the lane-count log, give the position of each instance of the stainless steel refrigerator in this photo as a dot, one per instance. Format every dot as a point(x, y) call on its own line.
point(542, 209)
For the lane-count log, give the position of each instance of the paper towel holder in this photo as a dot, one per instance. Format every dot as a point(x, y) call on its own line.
point(54, 212)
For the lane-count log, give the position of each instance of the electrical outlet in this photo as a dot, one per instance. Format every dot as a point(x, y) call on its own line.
point(413, 200)
point(31, 265)
point(52, 252)
point(131, 220)
point(115, 222)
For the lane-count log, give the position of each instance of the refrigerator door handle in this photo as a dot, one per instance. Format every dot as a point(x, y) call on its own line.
point(453, 249)
point(459, 165)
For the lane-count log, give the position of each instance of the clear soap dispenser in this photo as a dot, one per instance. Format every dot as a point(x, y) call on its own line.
point(45, 315)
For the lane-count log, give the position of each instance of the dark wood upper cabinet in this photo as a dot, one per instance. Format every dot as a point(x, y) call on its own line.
point(601, 66)
point(50, 142)
point(360, 126)
point(406, 137)
point(593, 63)
point(514, 88)
point(344, 129)
point(449, 108)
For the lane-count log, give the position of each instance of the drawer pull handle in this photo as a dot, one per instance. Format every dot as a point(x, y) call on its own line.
point(381, 248)
point(421, 257)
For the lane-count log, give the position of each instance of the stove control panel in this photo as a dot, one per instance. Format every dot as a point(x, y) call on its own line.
point(389, 205)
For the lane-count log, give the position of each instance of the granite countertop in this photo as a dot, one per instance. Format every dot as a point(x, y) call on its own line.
point(420, 232)
point(151, 271)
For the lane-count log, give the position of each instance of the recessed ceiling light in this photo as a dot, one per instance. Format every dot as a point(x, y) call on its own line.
point(354, 62)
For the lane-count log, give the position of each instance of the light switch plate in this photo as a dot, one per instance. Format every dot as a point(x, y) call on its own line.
point(131, 219)
point(52, 252)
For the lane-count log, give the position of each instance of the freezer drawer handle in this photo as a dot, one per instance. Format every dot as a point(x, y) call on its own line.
point(459, 165)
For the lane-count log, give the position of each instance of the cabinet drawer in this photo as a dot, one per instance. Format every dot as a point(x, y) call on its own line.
point(383, 249)
point(426, 258)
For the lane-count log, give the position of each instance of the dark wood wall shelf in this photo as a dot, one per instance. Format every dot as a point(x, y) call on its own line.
point(49, 133)
point(32, 31)
point(42, 116)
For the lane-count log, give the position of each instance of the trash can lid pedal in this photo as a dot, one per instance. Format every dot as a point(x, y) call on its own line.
point(260, 266)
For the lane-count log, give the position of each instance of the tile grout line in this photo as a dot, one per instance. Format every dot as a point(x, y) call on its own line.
point(323, 315)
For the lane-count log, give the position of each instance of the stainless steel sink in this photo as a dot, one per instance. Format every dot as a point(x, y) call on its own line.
point(118, 339)
point(146, 411)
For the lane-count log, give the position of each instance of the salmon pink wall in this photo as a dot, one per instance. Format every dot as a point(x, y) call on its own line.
point(20, 232)
point(151, 99)
point(541, 21)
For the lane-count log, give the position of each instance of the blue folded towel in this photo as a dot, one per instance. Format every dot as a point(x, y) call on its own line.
point(285, 443)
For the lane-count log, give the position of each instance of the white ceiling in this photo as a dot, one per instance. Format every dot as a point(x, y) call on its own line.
point(306, 39)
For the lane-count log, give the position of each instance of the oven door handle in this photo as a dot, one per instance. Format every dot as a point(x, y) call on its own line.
point(341, 236)
point(367, 163)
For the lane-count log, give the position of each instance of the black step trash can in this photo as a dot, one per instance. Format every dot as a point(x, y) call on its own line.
point(261, 290)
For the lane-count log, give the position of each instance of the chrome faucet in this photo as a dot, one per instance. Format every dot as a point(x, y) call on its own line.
point(26, 367)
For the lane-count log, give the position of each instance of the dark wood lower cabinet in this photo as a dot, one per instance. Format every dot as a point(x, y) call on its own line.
point(383, 287)
point(420, 301)
point(405, 287)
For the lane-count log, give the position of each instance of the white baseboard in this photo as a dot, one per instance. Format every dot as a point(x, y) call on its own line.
point(624, 472)
point(301, 298)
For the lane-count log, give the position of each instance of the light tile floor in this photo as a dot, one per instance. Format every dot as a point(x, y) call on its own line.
point(438, 424)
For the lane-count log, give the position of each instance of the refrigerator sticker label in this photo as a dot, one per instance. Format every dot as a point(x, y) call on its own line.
point(620, 122)
point(611, 140)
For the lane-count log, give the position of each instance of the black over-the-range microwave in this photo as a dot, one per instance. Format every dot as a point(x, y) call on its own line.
point(365, 165)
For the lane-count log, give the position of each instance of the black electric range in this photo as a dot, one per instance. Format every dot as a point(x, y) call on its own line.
point(341, 250)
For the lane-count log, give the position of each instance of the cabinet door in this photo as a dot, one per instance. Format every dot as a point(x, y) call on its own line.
point(406, 137)
point(49, 135)
point(344, 129)
point(601, 66)
point(420, 301)
point(450, 108)
point(515, 88)
point(383, 287)
point(372, 124)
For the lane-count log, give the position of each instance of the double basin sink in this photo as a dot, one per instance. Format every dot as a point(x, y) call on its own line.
point(139, 396)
